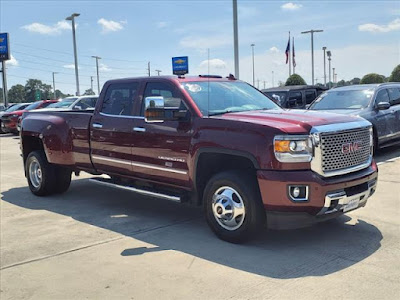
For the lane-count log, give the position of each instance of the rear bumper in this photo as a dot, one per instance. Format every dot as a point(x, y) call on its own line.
point(326, 199)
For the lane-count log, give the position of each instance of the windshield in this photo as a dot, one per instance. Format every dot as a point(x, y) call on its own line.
point(33, 105)
point(350, 99)
point(63, 103)
point(16, 107)
point(215, 98)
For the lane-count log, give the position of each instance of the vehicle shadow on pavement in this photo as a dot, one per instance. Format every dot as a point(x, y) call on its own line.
point(388, 153)
point(315, 251)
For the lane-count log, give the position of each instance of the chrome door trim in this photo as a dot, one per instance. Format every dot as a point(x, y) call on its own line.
point(120, 116)
point(139, 129)
point(115, 160)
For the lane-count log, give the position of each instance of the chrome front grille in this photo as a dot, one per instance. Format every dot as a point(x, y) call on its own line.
point(342, 150)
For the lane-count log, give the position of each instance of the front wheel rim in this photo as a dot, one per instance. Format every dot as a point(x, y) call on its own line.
point(35, 173)
point(228, 208)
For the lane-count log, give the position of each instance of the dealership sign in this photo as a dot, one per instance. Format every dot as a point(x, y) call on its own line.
point(4, 47)
point(180, 65)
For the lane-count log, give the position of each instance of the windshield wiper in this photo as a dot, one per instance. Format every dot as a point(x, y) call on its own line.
point(221, 112)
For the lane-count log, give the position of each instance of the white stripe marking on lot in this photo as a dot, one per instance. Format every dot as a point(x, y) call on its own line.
point(389, 160)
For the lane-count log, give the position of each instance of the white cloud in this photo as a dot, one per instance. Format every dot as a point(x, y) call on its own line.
point(110, 26)
point(201, 43)
point(370, 27)
point(214, 63)
point(12, 62)
point(104, 68)
point(274, 50)
point(71, 66)
point(162, 24)
point(291, 6)
point(55, 29)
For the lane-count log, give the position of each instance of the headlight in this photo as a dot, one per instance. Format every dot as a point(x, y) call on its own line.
point(293, 148)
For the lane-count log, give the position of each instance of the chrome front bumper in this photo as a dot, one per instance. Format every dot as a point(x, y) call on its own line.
point(336, 201)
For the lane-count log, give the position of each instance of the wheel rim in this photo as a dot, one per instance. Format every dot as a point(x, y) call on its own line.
point(35, 173)
point(228, 208)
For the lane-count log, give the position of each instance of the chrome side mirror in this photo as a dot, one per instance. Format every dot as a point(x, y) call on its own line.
point(383, 105)
point(154, 109)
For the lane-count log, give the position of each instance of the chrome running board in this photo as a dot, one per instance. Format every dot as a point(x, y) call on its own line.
point(104, 181)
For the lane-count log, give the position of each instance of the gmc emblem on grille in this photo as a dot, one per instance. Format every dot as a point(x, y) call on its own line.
point(351, 147)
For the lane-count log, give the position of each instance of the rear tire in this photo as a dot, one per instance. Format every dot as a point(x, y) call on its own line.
point(233, 206)
point(40, 174)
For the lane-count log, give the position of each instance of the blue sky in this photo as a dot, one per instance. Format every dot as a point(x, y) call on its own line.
point(362, 35)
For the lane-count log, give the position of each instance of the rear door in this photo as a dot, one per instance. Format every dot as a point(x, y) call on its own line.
point(382, 117)
point(112, 128)
point(310, 96)
point(394, 98)
point(161, 149)
point(295, 100)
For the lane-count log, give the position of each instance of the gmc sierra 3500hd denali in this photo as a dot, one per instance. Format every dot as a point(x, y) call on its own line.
point(211, 141)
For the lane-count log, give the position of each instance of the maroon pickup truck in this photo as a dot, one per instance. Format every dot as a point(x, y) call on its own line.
point(210, 141)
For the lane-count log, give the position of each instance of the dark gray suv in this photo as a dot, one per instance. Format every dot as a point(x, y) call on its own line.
point(378, 103)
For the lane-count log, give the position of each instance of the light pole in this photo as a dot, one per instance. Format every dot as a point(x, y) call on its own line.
point(324, 48)
point(97, 70)
point(158, 72)
point(54, 86)
point(329, 53)
point(91, 83)
point(252, 50)
point(235, 38)
point(4, 76)
point(334, 79)
point(72, 18)
point(312, 50)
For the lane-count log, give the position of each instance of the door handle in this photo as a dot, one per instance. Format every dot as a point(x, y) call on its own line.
point(97, 125)
point(139, 129)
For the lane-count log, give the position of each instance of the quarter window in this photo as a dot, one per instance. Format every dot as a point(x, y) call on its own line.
point(394, 96)
point(119, 99)
point(310, 96)
point(295, 99)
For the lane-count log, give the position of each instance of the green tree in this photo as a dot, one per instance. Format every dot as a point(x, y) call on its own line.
point(17, 93)
point(32, 85)
point(355, 80)
point(395, 76)
point(372, 78)
point(61, 95)
point(295, 79)
point(89, 92)
point(342, 83)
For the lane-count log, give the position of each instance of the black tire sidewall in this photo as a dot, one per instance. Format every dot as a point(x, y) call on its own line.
point(48, 175)
point(248, 190)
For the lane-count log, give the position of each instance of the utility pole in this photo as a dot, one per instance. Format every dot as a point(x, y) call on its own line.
point(97, 70)
point(252, 50)
point(334, 79)
point(158, 72)
point(264, 83)
point(273, 83)
point(54, 86)
point(4, 75)
point(329, 53)
point(235, 38)
point(324, 48)
point(312, 31)
point(148, 68)
point(72, 18)
point(91, 83)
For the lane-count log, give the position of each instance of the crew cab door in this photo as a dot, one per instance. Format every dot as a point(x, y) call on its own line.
point(161, 149)
point(111, 129)
point(394, 97)
point(382, 118)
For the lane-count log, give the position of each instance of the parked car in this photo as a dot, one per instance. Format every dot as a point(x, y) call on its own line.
point(76, 103)
point(295, 96)
point(9, 120)
point(378, 103)
point(211, 141)
point(3, 107)
point(11, 109)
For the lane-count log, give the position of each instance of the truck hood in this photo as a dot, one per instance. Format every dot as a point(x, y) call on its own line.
point(351, 112)
point(290, 121)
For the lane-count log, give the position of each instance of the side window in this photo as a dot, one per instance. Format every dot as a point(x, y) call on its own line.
point(169, 92)
point(295, 99)
point(119, 99)
point(382, 96)
point(310, 96)
point(46, 104)
point(394, 96)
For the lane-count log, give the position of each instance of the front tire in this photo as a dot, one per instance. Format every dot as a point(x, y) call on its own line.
point(40, 174)
point(233, 206)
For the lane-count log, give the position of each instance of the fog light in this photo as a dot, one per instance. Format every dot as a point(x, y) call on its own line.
point(298, 192)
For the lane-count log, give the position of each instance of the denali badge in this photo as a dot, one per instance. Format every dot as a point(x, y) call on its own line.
point(351, 147)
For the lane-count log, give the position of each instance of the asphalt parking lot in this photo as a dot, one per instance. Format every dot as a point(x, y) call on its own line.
point(95, 242)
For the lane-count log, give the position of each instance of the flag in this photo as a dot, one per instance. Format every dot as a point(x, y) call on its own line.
point(293, 54)
point(287, 52)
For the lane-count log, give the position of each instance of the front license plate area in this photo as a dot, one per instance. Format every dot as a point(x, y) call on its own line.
point(352, 204)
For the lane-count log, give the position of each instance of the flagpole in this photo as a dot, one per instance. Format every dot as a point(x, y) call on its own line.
point(290, 60)
point(294, 64)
